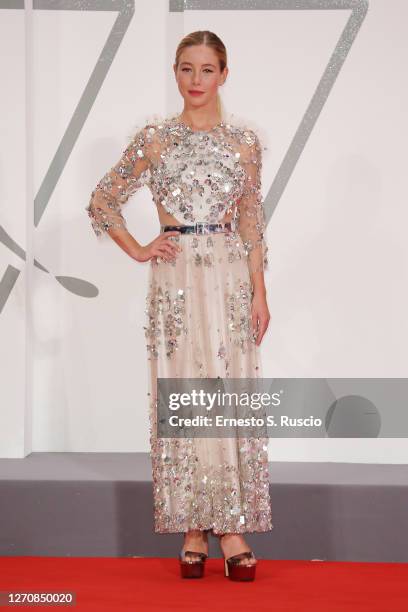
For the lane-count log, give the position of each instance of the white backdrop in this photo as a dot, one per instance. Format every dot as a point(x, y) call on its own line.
point(74, 369)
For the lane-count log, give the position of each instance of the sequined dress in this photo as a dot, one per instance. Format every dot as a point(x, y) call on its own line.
point(198, 309)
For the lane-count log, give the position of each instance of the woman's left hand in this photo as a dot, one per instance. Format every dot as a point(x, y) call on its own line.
point(260, 315)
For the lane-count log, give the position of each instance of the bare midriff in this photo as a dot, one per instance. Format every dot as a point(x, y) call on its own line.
point(166, 218)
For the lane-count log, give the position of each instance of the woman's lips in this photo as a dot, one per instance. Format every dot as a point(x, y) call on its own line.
point(195, 93)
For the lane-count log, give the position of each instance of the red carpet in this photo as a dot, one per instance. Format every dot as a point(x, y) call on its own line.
point(117, 584)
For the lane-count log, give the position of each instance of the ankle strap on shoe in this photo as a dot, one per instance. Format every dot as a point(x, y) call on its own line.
point(245, 555)
point(200, 556)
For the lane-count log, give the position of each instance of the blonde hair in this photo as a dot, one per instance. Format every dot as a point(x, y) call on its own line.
point(205, 37)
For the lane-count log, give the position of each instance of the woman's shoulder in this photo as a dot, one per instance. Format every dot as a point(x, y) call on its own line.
point(146, 126)
point(248, 132)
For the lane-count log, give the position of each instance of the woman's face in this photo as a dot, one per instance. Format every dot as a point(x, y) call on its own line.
point(199, 71)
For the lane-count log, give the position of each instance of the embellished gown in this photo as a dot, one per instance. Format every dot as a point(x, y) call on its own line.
point(198, 309)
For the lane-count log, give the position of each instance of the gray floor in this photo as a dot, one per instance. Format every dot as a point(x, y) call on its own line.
point(100, 504)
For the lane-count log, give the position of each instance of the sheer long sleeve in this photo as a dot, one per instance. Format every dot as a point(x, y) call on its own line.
point(118, 184)
point(251, 222)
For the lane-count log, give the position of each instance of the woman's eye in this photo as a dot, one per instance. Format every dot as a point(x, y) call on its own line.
point(205, 70)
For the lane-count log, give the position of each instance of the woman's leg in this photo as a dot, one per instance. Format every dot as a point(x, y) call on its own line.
point(195, 541)
point(234, 544)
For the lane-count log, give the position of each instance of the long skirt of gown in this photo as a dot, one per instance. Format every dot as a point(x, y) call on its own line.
point(198, 324)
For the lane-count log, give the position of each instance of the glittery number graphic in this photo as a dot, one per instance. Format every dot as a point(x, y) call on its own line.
point(125, 10)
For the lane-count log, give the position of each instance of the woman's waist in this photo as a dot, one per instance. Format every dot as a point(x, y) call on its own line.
point(200, 227)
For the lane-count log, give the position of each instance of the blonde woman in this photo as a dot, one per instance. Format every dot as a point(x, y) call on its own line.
point(206, 304)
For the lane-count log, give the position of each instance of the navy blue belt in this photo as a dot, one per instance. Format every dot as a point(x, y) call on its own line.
point(200, 227)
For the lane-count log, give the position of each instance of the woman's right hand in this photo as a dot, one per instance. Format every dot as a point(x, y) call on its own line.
point(160, 247)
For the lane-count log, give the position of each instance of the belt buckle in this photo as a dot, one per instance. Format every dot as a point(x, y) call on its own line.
point(201, 227)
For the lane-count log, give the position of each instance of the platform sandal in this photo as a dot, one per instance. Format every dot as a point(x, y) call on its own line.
point(234, 569)
point(193, 567)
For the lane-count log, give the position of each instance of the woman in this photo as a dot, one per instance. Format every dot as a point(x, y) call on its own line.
point(206, 304)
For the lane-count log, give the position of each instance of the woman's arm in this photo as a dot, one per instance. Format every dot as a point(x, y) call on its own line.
point(114, 190)
point(252, 228)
